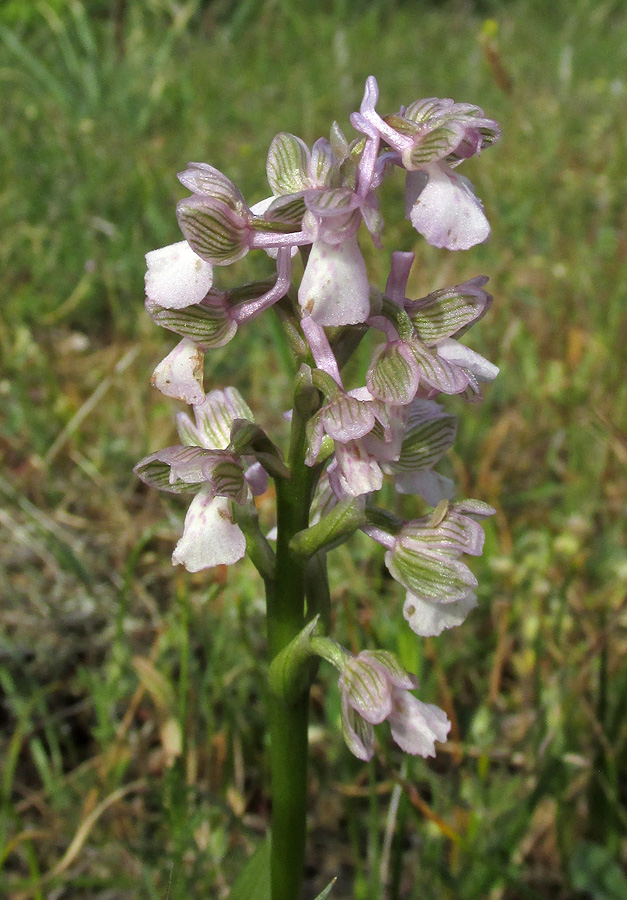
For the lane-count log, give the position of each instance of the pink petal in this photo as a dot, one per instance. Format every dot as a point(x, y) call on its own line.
point(416, 726)
point(454, 352)
point(358, 734)
point(357, 472)
point(445, 211)
point(367, 689)
point(429, 485)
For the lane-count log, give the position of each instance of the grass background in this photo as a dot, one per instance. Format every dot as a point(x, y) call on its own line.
point(132, 717)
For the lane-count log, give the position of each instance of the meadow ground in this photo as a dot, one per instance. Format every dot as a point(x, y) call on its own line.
point(132, 714)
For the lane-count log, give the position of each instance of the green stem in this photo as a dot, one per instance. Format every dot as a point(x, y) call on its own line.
point(288, 721)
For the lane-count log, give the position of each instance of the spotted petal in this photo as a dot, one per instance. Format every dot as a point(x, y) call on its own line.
point(210, 537)
point(180, 374)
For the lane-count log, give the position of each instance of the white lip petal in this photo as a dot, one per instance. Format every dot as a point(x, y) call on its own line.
point(446, 211)
point(180, 374)
point(416, 725)
point(457, 353)
point(210, 537)
point(430, 619)
point(176, 276)
point(335, 289)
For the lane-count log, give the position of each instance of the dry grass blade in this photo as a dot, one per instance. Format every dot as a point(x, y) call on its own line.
point(90, 404)
point(82, 834)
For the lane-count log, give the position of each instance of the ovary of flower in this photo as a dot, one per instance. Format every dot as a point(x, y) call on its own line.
point(375, 687)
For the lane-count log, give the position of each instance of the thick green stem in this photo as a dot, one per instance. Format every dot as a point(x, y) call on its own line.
point(288, 721)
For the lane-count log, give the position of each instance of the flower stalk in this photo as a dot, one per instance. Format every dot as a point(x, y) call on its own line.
point(288, 719)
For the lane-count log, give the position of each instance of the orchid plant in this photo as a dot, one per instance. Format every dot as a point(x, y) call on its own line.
point(344, 441)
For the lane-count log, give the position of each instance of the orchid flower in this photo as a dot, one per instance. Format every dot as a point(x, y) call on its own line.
point(202, 463)
point(429, 138)
point(374, 688)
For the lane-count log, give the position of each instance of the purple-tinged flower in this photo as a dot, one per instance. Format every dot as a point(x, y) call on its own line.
point(364, 432)
point(430, 130)
point(218, 224)
point(180, 469)
point(209, 323)
point(354, 471)
point(375, 687)
point(214, 321)
point(429, 137)
point(359, 464)
point(425, 557)
point(343, 418)
point(309, 187)
point(420, 354)
point(318, 188)
point(203, 464)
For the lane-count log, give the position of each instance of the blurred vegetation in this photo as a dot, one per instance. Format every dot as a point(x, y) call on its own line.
point(131, 710)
